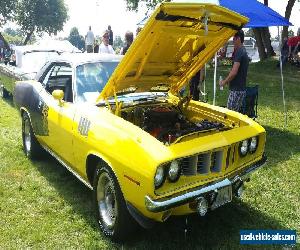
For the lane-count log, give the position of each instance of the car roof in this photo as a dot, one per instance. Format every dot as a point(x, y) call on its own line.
point(76, 59)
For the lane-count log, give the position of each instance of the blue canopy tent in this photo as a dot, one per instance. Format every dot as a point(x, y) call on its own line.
point(259, 15)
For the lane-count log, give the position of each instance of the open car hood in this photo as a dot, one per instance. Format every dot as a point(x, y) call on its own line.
point(177, 40)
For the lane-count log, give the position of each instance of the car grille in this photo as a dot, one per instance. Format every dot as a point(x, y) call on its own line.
point(202, 163)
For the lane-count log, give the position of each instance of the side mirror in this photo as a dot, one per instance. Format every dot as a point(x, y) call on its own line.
point(58, 95)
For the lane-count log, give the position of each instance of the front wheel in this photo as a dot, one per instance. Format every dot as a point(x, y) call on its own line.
point(31, 146)
point(113, 216)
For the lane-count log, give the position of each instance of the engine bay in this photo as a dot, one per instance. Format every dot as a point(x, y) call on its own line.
point(167, 123)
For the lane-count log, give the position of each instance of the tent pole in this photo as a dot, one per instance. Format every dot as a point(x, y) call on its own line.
point(215, 79)
point(205, 82)
point(282, 88)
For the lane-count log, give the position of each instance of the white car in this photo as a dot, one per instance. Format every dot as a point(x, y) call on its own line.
point(249, 44)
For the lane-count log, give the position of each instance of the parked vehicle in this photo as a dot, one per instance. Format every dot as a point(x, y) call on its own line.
point(25, 61)
point(120, 125)
point(249, 44)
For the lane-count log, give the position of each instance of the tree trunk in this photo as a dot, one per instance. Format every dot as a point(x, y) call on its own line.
point(287, 15)
point(267, 37)
point(4, 41)
point(28, 36)
point(260, 43)
point(267, 41)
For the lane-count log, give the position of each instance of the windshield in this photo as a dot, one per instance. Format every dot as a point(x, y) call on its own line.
point(91, 79)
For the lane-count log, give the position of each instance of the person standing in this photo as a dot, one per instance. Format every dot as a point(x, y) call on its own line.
point(128, 40)
point(196, 84)
point(111, 36)
point(238, 74)
point(294, 43)
point(105, 47)
point(89, 41)
point(96, 47)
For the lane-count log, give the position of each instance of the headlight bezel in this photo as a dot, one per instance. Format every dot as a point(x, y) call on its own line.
point(250, 142)
point(246, 142)
point(163, 178)
point(171, 179)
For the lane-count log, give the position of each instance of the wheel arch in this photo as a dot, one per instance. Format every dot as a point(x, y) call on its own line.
point(94, 160)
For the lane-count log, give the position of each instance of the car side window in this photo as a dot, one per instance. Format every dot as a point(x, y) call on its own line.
point(59, 76)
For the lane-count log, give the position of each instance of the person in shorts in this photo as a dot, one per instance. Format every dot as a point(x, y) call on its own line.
point(236, 78)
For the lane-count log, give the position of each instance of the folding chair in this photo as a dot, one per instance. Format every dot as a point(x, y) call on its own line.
point(249, 107)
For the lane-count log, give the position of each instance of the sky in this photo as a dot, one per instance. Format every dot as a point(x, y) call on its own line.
point(101, 13)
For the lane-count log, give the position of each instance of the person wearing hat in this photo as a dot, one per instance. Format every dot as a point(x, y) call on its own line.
point(236, 78)
point(104, 47)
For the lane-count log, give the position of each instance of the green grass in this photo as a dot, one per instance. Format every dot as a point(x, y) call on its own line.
point(43, 206)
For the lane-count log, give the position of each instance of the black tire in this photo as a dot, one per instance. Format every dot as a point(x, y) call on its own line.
point(31, 146)
point(3, 92)
point(112, 214)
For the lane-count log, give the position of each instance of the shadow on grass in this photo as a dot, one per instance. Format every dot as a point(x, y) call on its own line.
point(68, 186)
point(9, 100)
point(280, 145)
point(219, 229)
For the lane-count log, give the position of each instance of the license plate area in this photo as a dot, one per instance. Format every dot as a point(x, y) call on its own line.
point(224, 195)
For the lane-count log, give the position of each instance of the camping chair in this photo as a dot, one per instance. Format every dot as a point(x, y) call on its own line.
point(249, 107)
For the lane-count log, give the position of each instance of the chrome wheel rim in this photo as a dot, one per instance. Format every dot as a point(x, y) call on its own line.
point(106, 199)
point(27, 135)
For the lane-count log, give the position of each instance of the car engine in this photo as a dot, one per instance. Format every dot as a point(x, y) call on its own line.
point(166, 123)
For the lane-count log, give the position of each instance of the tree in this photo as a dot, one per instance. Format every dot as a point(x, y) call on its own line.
point(12, 37)
point(134, 4)
point(75, 38)
point(287, 15)
point(7, 8)
point(263, 40)
point(118, 42)
point(41, 16)
point(290, 34)
point(13, 32)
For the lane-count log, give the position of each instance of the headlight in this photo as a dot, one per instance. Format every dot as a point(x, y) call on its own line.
point(174, 171)
point(159, 177)
point(253, 144)
point(243, 148)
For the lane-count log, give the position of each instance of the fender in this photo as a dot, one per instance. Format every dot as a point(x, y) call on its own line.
point(27, 97)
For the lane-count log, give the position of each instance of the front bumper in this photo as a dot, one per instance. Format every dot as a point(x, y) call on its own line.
point(168, 203)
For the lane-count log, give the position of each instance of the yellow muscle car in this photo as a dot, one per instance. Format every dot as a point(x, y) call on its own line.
point(122, 127)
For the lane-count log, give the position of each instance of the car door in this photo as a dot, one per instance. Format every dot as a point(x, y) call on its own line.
point(59, 115)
